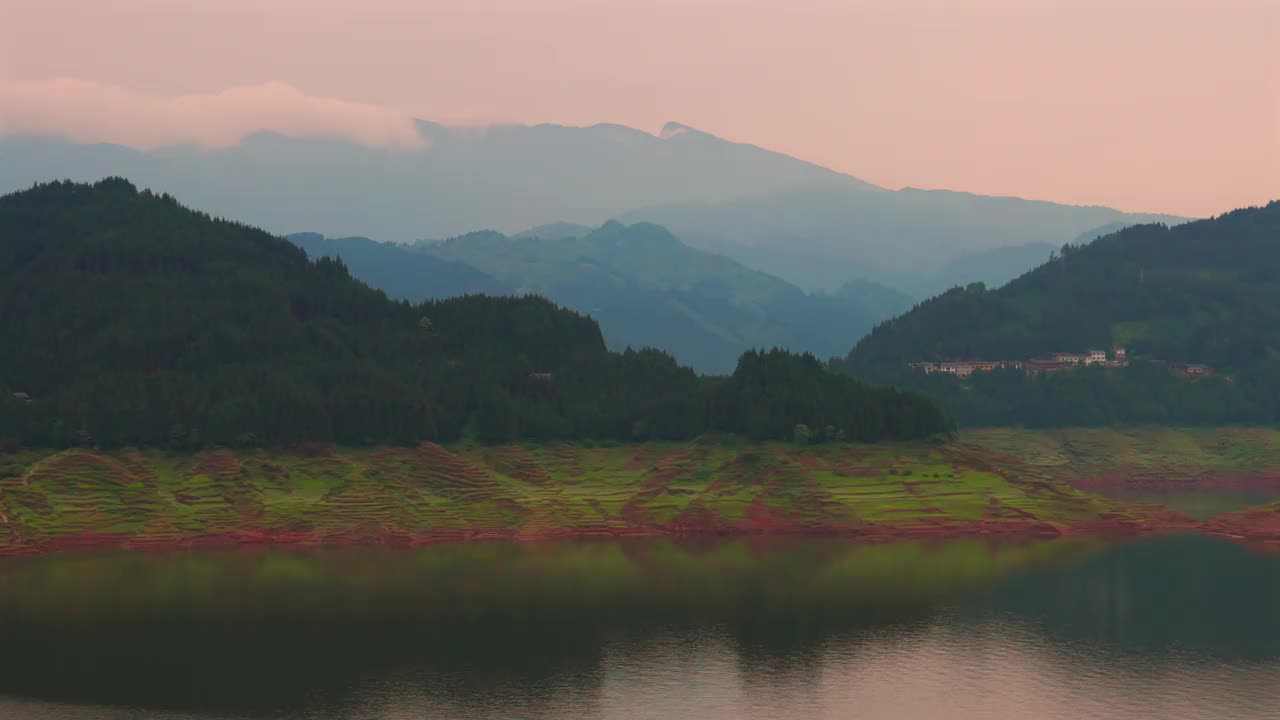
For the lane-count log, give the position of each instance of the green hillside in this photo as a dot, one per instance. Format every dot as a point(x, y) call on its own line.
point(131, 320)
point(431, 493)
point(1205, 292)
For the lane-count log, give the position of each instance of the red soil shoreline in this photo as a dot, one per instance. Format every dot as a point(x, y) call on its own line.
point(941, 531)
point(1255, 525)
point(1258, 526)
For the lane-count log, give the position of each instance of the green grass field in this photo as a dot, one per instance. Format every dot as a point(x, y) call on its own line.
point(1163, 455)
point(153, 497)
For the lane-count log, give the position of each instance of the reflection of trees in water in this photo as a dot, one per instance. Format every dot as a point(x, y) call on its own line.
point(1179, 598)
point(261, 630)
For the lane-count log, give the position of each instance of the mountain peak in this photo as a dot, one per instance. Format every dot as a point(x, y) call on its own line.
point(675, 129)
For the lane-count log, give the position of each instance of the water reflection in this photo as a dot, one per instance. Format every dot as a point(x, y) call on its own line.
point(1173, 628)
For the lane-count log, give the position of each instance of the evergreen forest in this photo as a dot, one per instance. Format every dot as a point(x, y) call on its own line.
point(131, 320)
point(1205, 292)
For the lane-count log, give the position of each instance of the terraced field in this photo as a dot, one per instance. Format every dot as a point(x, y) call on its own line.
point(432, 493)
point(1141, 457)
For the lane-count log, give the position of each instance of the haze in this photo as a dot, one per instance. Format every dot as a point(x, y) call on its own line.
point(1141, 105)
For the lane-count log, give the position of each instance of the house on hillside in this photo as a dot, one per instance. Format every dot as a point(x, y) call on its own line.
point(965, 368)
point(1191, 369)
point(990, 365)
point(1067, 358)
point(1096, 357)
point(1044, 365)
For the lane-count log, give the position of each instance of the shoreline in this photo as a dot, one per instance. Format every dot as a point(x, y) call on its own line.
point(941, 532)
point(999, 484)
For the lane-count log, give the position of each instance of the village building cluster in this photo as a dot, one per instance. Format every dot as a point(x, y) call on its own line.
point(1055, 362)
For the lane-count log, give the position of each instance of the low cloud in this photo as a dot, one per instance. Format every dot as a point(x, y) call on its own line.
point(95, 112)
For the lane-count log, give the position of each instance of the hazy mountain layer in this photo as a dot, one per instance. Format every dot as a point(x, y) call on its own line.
point(402, 274)
point(647, 288)
point(813, 226)
point(823, 237)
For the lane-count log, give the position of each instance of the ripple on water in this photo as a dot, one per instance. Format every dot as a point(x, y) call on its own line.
point(1173, 629)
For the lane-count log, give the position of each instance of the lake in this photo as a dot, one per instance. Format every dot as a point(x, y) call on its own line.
point(1171, 628)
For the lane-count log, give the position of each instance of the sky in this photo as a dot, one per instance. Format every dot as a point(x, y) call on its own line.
point(1145, 105)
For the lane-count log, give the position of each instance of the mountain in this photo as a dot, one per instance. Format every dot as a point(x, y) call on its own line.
point(648, 289)
point(1092, 234)
point(992, 268)
point(131, 320)
point(554, 231)
point(813, 226)
point(1205, 292)
point(505, 177)
point(399, 272)
point(878, 301)
point(822, 237)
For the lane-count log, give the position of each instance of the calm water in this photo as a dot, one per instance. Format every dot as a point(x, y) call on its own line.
point(1172, 628)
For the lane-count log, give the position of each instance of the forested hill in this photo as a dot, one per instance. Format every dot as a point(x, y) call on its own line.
point(1204, 292)
point(130, 319)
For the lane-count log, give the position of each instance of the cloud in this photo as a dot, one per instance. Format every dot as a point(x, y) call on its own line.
point(95, 112)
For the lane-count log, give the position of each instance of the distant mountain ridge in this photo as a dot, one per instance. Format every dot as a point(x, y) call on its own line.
point(399, 273)
point(647, 288)
point(555, 231)
point(816, 227)
point(816, 237)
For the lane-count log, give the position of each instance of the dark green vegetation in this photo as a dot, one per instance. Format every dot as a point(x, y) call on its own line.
point(649, 289)
point(131, 320)
point(428, 493)
point(1204, 292)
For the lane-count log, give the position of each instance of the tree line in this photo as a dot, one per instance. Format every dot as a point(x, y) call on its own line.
point(1203, 292)
point(131, 320)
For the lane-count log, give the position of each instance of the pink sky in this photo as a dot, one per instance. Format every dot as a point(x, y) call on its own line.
point(1157, 105)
